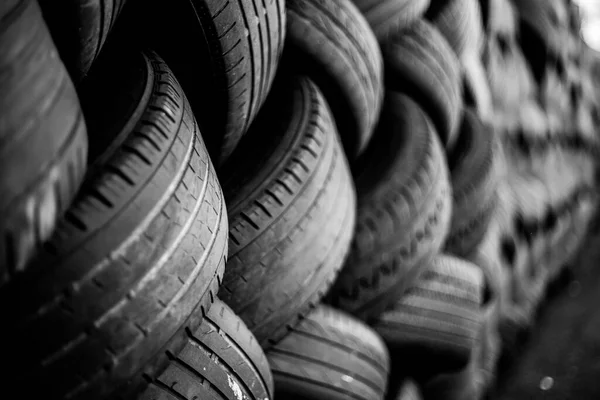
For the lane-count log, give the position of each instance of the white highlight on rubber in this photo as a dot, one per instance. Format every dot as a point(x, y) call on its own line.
point(237, 391)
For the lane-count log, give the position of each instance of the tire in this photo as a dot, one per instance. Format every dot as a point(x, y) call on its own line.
point(541, 38)
point(221, 360)
point(529, 276)
point(499, 255)
point(510, 77)
point(566, 242)
point(486, 257)
point(292, 211)
point(389, 16)
point(533, 121)
point(487, 351)
point(438, 319)
point(330, 355)
point(142, 246)
point(420, 63)
point(331, 43)
point(43, 140)
point(228, 70)
point(560, 175)
point(546, 21)
point(476, 83)
point(409, 391)
point(460, 22)
point(474, 176)
point(501, 17)
point(79, 29)
point(532, 200)
point(404, 207)
point(555, 98)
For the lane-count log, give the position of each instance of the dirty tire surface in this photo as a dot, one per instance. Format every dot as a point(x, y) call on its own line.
point(404, 207)
point(220, 360)
point(43, 140)
point(291, 211)
point(142, 246)
point(332, 43)
point(330, 355)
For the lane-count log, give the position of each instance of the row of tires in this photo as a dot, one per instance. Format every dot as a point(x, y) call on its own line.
point(547, 121)
point(344, 189)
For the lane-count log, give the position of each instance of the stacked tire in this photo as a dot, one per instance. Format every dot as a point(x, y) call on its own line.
point(297, 203)
point(119, 261)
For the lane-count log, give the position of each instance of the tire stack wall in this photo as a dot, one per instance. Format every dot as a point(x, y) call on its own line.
point(299, 199)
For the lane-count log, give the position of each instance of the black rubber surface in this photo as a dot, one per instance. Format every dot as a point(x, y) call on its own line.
point(330, 355)
point(142, 246)
point(421, 63)
point(460, 22)
point(404, 206)
point(332, 43)
point(389, 16)
point(439, 319)
point(292, 209)
point(43, 140)
point(80, 29)
point(221, 360)
point(474, 169)
point(232, 52)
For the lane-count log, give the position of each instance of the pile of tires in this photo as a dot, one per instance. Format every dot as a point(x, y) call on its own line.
point(546, 124)
point(284, 199)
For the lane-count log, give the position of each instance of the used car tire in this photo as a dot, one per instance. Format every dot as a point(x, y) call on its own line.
point(228, 68)
point(43, 139)
point(439, 318)
point(79, 29)
point(546, 20)
point(475, 81)
point(459, 21)
point(141, 247)
point(388, 16)
point(420, 63)
point(474, 175)
point(330, 355)
point(221, 360)
point(291, 209)
point(404, 207)
point(487, 351)
point(332, 43)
